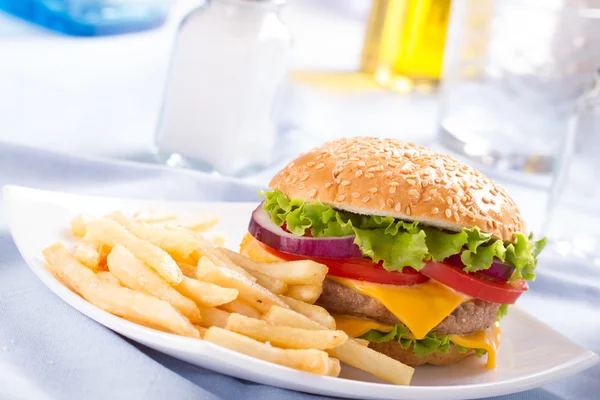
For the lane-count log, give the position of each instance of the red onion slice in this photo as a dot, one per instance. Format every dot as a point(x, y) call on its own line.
point(266, 231)
point(499, 271)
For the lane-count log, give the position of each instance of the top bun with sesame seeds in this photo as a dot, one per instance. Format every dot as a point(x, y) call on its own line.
point(389, 177)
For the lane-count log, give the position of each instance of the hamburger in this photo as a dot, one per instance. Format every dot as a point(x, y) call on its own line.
point(424, 254)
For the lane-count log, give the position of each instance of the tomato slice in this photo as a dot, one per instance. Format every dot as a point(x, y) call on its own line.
point(361, 269)
point(461, 281)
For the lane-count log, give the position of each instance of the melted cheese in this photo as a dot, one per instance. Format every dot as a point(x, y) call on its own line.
point(355, 327)
point(252, 248)
point(419, 307)
point(488, 340)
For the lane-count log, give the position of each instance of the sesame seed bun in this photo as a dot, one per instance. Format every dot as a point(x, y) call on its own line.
point(394, 350)
point(390, 177)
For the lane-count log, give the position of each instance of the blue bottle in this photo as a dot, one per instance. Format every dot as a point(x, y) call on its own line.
point(90, 17)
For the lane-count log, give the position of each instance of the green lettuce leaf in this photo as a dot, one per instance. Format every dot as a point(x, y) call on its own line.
point(502, 311)
point(398, 244)
point(422, 347)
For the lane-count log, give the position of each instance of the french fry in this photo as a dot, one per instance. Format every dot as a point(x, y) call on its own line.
point(275, 285)
point(316, 313)
point(151, 216)
point(373, 362)
point(111, 233)
point(100, 248)
point(239, 307)
point(88, 256)
point(303, 272)
point(78, 224)
point(205, 249)
point(200, 222)
point(334, 367)
point(214, 317)
point(176, 242)
point(315, 361)
point(201, 329)
point(205, 294)
point(136, 275)
point(253, 294)
point(188, 270)
point(351, 352)
point(214, 238)
point(283, 336)
point(123, 302)
point(305, 293)
point(362, 342)
point(108, 277)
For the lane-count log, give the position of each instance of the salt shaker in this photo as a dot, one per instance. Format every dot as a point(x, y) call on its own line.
point(228, 63)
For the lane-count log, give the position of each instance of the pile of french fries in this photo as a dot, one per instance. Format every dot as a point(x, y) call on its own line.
point(171, 273)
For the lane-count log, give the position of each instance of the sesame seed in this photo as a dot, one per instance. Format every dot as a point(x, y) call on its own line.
point(407, 210)
point(398, 207)
point(365, 199)
point(362, 164)
point(455, 216)
point(427, 198)
point(328, 184)
point(288, 179)
point(320, 165)
point(413, 193)
point(449, 201)
point(424, 183)
point(435, 210)
point(388, 174)
point(485, 200)
point(393, 183)
point(356, 195)
point(471, 214)
point(369, 175)
point(411, 182)
point(448, 213)
point(312, 193)
point(294, 180)
point(345, 183)
point(305, 176)
point(392, 189)
point(341, 197)
point(373, 190)
point(390, 203)
point(358, 173)
point(310, 164)
point(301, 185)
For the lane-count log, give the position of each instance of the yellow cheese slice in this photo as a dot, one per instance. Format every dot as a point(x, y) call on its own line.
point(488, 340)
point(355, 327)
point(251, 248)
point(419, 307)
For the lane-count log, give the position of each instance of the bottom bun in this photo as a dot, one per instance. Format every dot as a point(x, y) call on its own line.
point(408, 356)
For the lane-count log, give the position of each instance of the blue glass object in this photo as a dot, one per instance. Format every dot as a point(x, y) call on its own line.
point(90, 17)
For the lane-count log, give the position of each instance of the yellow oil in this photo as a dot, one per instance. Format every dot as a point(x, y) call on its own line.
point(404, 42)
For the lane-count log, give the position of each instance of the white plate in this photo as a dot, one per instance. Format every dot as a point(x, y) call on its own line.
point(532, 354)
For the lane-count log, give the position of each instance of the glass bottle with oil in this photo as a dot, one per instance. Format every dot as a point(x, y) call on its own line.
point(404, 43)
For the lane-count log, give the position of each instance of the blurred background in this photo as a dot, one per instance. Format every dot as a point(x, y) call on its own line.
point(238, 87)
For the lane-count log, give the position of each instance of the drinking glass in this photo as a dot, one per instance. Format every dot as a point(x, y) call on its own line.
point(573, 221)
point(513, 71)
point(91, 17)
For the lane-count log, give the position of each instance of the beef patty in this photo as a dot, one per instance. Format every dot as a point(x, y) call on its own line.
point(469, 317)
